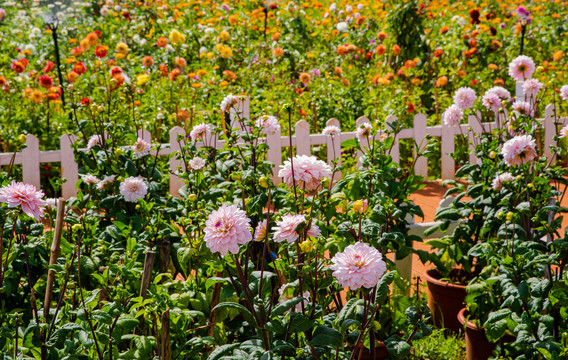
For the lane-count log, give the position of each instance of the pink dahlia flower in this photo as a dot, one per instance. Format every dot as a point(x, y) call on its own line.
point(452, 116)
point(286, 228)
point(90, 179)
point(501, 92)
point(95, 140)
point(24, 195)
point(141, 148)
point(491, 101)
point(106, 182)
point(532, 87)
point(133, 188)
point(260, 231)
point(464, 98)
point(519, 150)
point(364, 132)
point(501, 179)
point(200, 132)
point(308, 172)
point(228, 102)
point(226, 228)
point(331, 130)
point(564, 92)
point(523, 108)
point(359, 265)
point(563, 132)
point(521, 68)
point(268, 124)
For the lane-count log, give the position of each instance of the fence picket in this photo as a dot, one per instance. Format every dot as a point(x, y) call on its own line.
point(175, 182)
point(274, 154)
point(144, 135)
point(448, 147)
point(362, 120)
point(420, 132)
point(395, 149)
point(302, 132)
point(550, 129)
point(476, 130)
point(69, 168)
point(333, 144)
point(30, 162)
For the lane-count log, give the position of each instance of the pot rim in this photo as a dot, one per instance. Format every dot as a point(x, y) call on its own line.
point(462, 320)
point(430, 277)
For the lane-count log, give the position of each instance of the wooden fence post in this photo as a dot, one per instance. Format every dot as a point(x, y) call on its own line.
point(144, 135)
point(30, 162)
point(420, 132)
point(175, 183)
point(476, 131)
point(550, 130)
point(274, 154)
point(302, 133)
point(69, 168)
point(147, 273)
point(333, 144)
point(448, 147)
point(362, 120)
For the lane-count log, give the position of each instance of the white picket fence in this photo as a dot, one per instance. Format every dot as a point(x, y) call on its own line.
point(31, 157)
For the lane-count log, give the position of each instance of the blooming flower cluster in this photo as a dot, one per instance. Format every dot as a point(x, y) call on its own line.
point(359, 265)
point(24, 195)
point(519, 150)
point(226, 229)
point(287, 228)
point(308, 172)
point(133, 188)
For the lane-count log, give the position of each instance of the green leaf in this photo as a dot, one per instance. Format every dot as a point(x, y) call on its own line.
point(397, 347)
point(287, 305)
point(243, 310)
point(326, 336)
point(348, 309)
point(495, 330)
point(222, 350)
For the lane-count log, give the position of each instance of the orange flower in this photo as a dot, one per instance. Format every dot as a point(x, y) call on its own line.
point(299, 91)
point(3, 81)
point(499, 82)
point(303, 112)
point(85, 44)
point(275, 36)
point(345, 82)
point(389, 76)
point(442, 81)
point(278, 52)
point(396, 50)
point(162, 42)
point(444, 29)
point(147, 61)
point(164, 70)
point(231, 76)
point(361, 20)
point(72, 76)
point(380, 49)
point(382, 35)
point(492, 67)
point(79, 68)
point(338, 71)
point(78, 51)
point(93, 39)
point(174, 74)
point(410, 64)
point(410, 108)
point(438, 53)
point(36, 96)
point(305, 77)
point(557, 56)
point(224, 83)
point(180, 62)
point(415, 81)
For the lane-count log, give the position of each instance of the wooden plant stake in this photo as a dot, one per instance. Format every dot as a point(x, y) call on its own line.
point(165, 336)
point(147, 274)
point(55, 251)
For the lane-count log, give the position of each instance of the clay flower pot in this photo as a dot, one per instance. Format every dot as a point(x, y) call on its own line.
point(477, 346)
point(445, 300)
point(381, 352)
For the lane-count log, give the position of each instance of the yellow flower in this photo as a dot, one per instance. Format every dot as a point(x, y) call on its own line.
point(210, 55)
point(224, 35)
point(557, 56)
point(122, 48)
point(176, 37)
point(196, 85)
point(201, 72)
point(224, 83)
point(142, 79)
point(85, 44)
point(120, 56)
point(226, 52)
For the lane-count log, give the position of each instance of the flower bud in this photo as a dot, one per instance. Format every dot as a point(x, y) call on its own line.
point(77, 227)
point(22, 138)
point(236, 176)
point(510, 216)
point(192, 197)
point(492, 155)
point(118, 151)
point(360, 206)
point(307, 246)
point(137, 207)
point(263, 182)
point(325, 182)
point(120, 179)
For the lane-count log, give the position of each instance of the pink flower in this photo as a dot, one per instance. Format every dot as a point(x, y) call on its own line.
point(285, 296)
point(521, 68)
point(90, 179)
point(197, 163)
point(452, 116)
point(358, 265)
point(364, 132)
point(564, 131)
point(500, 179)
point(532, 87)
point(523, 108)
point(491, 101)
point(24, 195)
point(106, 182)
point(464, 98)
point(260, 231)
point(286, 228)
point(133, 188)
point(95, 140)
point(564, 92)
point(519, 150)
point(308, 172)
point(226, 228)
point(200, 132)
point(268, 124)
point(501, 92)
point(331, 130)
point(141, 148)
point(228, 102)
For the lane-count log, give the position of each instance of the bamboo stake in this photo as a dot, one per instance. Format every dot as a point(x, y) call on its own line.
point(147, 274)
point(165, 336)
point(55, 251)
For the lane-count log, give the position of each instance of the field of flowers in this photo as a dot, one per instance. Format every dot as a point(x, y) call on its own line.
point(238, 266)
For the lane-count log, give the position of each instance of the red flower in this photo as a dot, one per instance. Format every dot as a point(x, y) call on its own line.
point(79, 68)
point(99, 34)
point(474, 15)
point(115, 71)
point(100, 51)
point(126, 15)
point(369, 54)
point(49, 65)
point(85, 102)
point(24, 62)
point(18, 67)
point(45, 81)
point(410, 108)
point(474, 83)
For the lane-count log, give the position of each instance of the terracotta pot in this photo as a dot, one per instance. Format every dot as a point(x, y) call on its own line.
point(381, 352)
point(477, 346)
point(445, 300)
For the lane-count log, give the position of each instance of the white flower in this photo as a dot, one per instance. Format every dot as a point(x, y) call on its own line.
point(333, 7)
point(348, 8)
point(228, 102)
point(133, 188)
point(331, 130)
point(90, 179)
point(342, 27)
point(141, 148)
point(452, 116)
point(197, 163)
point(268, 124)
